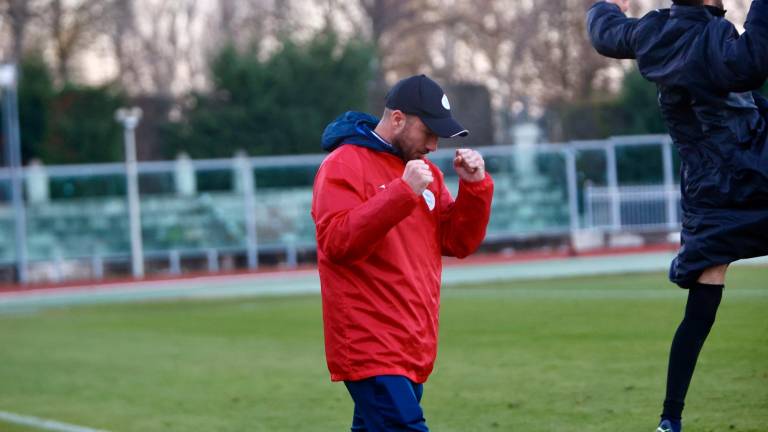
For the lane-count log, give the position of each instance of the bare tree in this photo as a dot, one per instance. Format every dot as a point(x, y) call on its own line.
point(397, 30)
point(163, 51)
point(247, 24)
point(228, 12)
point(123, 26)
point(73, 27)
point(164, 48)
point(17, 14)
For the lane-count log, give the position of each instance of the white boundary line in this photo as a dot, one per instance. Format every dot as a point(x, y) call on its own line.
point(44, 424)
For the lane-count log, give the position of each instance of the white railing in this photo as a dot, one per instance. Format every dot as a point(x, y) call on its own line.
point(542, 190)
point(631, 208)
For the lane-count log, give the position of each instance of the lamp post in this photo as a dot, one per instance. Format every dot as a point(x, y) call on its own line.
point(8, 84)
point(129, 118)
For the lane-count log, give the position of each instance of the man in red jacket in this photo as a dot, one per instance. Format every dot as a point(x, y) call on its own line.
point(384, 218)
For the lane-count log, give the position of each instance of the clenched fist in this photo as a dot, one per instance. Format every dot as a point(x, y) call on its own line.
point(469, 165)
point(418, 175)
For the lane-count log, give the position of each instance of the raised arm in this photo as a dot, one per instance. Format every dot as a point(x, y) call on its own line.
point(738, 63)
point(463, 222)
point(609, 29)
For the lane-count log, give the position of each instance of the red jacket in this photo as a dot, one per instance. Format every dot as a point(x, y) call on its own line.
point(379, 257)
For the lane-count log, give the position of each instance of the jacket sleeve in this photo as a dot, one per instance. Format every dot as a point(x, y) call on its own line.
point(349, 226)
point(463, 222)
point(610, 31)
point(739, 63)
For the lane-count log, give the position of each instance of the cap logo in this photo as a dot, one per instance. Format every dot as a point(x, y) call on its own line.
point(446, 104)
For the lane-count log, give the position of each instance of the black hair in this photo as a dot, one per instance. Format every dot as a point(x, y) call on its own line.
point(689, 2)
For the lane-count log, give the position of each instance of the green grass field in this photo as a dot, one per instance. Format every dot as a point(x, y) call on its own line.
point(585, 354)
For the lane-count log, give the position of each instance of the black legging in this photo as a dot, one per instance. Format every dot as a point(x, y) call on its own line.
point(700, 311)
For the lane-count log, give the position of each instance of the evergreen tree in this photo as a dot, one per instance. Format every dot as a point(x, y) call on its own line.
point(275, 106)
point(36, 93)
point(638, 101)
point(83, 127)
point(73, 124)
point(634, 111)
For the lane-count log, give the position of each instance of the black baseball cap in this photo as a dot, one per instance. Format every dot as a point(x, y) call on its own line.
point(422, 97)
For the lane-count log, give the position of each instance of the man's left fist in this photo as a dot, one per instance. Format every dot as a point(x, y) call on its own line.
point(469, 165)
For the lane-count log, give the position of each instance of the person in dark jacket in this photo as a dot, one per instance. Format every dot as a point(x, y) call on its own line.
point(707, 75)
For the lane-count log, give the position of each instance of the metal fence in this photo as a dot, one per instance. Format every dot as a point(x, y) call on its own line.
point(632, 208)
point(223, 214)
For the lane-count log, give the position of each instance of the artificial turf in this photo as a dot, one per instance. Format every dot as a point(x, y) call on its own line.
point(579, 354)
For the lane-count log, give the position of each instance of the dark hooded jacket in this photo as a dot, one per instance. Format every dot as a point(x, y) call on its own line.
point(355, 128)
point(707, 75)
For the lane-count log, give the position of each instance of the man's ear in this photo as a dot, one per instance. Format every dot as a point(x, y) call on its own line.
point(398, 119)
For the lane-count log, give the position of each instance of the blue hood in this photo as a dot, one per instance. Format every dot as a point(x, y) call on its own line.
point(355, 128)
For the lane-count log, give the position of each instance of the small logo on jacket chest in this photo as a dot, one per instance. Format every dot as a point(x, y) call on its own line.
point(429, 198)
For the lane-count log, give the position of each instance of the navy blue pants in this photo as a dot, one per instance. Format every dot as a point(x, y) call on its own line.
point(387, 403)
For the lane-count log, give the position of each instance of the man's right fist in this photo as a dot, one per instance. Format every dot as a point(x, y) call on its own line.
point(622, 4)
point(418, 175)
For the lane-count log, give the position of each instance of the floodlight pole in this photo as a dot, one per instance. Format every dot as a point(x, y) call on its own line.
point(129, 118)
point(8, 83)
